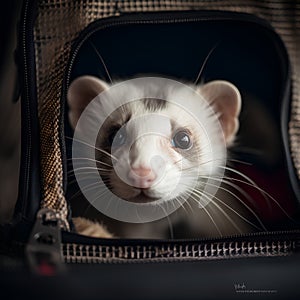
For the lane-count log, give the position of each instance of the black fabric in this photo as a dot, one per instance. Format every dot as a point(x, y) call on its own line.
point(260, 278)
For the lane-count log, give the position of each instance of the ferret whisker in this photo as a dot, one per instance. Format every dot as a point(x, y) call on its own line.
point(239, 161)
point(93, 177)
point(83, 159)
point(173, 202)
point(205, 62)
point(248, 179)
point(90, 205)
point(94, 147)
point(178, 161)
point(137, 213)
point(177, 199)
point(200, 164)
point(90, 174)
point(250, 199)
point(234, 211)
point(102, 61)
point(92, 186)
point(239, 200)
point(169, 221)
point(186, 202)
point(203, 147)
point(87, 168)
point(71, 182)
point(75, 195)
point(208, 214)
point(90, 177)
point(226, 180)
point(264, 193)
point(211, 199)
point(108, 202)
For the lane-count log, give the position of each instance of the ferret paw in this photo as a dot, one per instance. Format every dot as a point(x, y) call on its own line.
point(89, 228)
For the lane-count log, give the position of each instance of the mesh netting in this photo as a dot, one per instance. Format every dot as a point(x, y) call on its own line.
point(60, 21)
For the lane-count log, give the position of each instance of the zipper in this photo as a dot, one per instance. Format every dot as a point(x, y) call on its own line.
point(27, 150)
point(272, 244)
point(26, 161)
point(43, 248)
point(28, 128)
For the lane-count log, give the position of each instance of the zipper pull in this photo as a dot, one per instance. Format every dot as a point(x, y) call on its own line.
point(43, 249)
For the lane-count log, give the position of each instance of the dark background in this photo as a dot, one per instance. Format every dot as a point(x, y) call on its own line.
point(10, 120)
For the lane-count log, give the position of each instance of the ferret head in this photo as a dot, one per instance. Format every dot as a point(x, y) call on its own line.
point(156, 149)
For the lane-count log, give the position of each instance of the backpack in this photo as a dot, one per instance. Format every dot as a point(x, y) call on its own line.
point(253, 45)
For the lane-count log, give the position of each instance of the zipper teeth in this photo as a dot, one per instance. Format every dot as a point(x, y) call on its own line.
point(78, 253)
point(28, 131)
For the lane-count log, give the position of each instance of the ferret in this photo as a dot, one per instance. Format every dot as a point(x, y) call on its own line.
point(161, 149)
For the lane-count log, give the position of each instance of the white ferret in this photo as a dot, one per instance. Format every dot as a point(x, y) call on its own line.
point(163, 150)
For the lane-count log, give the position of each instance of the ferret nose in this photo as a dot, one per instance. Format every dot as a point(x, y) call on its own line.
point(142, 177)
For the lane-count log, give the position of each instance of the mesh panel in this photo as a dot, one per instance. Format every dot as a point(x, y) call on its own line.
point(59, 22)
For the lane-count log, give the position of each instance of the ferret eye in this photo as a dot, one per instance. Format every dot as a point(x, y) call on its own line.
point(182, 140)
point(118, 138)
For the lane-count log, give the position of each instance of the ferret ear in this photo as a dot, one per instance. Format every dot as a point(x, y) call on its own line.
point(81, 92)
point(225, 99)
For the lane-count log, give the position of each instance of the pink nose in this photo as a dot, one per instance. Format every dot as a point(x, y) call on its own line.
point(142, 177)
